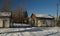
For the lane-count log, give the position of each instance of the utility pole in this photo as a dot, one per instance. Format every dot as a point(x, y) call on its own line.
point(56, 13)
point(57, 9)
point(20, 13)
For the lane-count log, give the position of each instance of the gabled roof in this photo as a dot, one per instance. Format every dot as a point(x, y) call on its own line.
point(43, 15)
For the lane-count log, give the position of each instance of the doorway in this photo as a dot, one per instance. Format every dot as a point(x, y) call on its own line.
point(4, 23)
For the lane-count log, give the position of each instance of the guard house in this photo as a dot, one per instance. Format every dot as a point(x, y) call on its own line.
point(42, 20)
point(5, 19)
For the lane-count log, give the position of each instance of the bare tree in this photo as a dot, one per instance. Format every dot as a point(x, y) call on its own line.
point(17, 15)
point(6, 6)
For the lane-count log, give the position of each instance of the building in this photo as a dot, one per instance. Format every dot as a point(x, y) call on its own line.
point(5, 19)
point(42, 20)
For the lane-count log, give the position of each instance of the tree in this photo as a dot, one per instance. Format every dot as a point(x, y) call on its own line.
point(6, 6)
point(17, 15)
point(25, 17)
point(25, 14)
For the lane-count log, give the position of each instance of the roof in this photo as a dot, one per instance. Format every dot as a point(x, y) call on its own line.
point(43, 15)
point(5, 14)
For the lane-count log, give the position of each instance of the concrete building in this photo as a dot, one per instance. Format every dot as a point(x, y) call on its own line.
point(5, 19)
point(42, 20)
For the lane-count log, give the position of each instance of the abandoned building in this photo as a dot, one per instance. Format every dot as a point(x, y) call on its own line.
point(40, 20)
point(35, 20)
point(5, 19)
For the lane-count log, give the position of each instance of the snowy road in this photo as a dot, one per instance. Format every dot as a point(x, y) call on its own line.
point(50, 31)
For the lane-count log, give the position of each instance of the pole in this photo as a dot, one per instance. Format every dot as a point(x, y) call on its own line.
point(56, 12)
point(57, 9)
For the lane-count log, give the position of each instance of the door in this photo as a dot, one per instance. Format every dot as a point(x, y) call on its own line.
point(4, 22)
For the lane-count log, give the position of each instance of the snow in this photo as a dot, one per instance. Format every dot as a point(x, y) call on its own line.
point(5, 13)
point(17, 25)
point(21, 24)
point(34, 31)
point(43, 15)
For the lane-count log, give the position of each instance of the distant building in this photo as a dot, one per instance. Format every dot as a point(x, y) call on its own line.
point(5, 19)
point(42, 20)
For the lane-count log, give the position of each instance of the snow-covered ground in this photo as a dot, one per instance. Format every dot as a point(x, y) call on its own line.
point(35, 31)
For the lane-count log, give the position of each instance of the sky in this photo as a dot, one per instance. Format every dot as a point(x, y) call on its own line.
point(43, 7)
point(37, 6)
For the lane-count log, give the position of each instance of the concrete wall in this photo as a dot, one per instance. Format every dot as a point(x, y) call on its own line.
point(43, 22)
point(7, 22)
point(46, 23)
point(1, 23)
point(39, 23)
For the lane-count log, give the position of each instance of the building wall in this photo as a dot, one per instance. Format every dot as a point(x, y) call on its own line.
point(44, 22)
point(7, 22)
point(41, 21)
point(1, 23)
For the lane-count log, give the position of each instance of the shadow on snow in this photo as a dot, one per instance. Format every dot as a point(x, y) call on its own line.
point(26, 30)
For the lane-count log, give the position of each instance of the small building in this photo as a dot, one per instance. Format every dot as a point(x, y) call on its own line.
point(42, 20)
point(5, 19)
